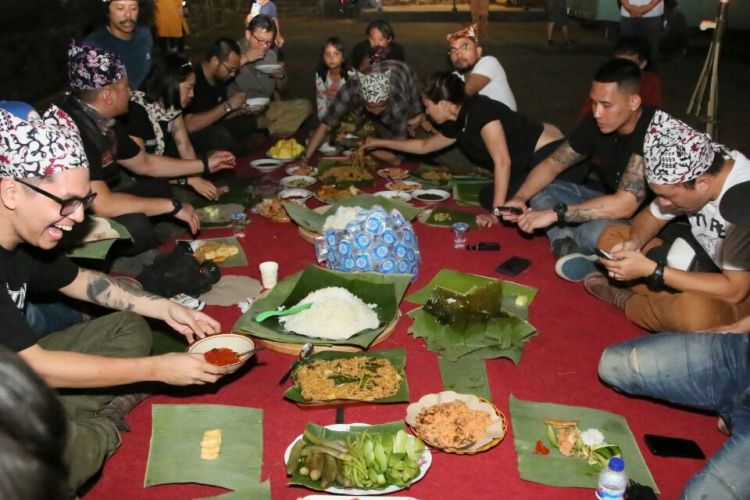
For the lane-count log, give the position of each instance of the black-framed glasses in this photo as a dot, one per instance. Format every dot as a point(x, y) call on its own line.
point(265, 43)
point(231, 70)
point(68, 206)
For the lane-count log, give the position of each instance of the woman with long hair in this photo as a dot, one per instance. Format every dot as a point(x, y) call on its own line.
point(330, 75)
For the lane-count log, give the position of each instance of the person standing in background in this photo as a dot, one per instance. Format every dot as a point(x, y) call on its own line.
point(557, 15)
point(642, 18)
point(267, 8)
point(171, 26)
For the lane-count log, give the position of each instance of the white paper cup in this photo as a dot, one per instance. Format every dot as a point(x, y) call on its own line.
point(269, 274)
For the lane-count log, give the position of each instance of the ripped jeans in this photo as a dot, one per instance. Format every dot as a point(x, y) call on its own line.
point(705, 371)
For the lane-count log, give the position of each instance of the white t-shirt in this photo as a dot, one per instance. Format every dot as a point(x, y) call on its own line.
point(727, 244)
point(658, 9)
point(498, 88)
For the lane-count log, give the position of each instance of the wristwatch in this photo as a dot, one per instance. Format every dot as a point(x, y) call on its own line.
point(176, 207)
point(228, 108)
point(182, 181)
point(560, 210)
point(656, 279)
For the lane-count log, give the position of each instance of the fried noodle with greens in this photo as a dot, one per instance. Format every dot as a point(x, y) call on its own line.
point(362, 378)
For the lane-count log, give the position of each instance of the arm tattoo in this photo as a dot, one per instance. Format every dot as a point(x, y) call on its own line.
point(634, 179)
point(580, 215)
point(566, 156)
point(99, 291)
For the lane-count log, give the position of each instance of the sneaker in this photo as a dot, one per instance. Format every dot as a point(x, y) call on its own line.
point(564, 246)
point(117, 409)
point(576, 266)
point(600, 287)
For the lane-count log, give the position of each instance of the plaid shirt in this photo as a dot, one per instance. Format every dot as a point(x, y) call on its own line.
point(404, 103)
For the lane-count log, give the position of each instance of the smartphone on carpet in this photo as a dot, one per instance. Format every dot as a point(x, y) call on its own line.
point(513, 266)
point(666, 446)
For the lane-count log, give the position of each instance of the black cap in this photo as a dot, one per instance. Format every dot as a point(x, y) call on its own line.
point(735, 204)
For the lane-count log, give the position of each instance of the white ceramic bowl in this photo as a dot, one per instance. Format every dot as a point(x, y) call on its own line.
point(430, 195)
point(268, 68)
point(266, 164)
point(298, 181)
point(233, 341)
point(297, 195)
point(399, 195)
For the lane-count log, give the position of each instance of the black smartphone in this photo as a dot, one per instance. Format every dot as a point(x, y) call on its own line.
point(666, 446)
point(513, 266)
point(509, 210)
point(605, 254)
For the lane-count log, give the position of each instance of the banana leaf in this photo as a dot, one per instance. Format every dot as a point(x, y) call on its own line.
point(390, 428)
point(259, 491)
point(99, 249)
point(446, 217)
point(221, 218)
point(238, 190)
point(385, 290)
point(177, 430)
point(313, 221)
point(557, 470)
point(397, 357)
point(236, 260)
point(516, 297)
point(465, 376)
point(325, 165)
point(466, 191)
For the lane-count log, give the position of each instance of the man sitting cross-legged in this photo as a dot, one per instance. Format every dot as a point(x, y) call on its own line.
point(573, 214)
point(689, 173)
point(44, 191)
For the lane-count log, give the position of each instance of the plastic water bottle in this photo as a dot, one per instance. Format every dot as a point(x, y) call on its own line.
point(612, 480)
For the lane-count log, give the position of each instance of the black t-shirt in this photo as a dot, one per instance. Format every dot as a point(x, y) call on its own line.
point(21, 271)
point(362, 50)
point(138, 124)
point(205, 95)
point(102, 150)
point(521, 134)
point(610, 153)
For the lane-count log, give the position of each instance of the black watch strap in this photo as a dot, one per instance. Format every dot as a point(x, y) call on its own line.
point(560, 210)
point(177, 206)
point(656, 279)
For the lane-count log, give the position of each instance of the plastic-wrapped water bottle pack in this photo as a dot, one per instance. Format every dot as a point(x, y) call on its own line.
point(374, 241)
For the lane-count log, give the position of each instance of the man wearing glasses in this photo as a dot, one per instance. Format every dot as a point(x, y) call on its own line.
point(44, 191)
point(214, 120)
point(261, 75)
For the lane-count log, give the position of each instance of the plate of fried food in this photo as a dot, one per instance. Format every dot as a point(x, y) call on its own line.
point(457, 423)
point(298, 181)
point(394, 173)
point(307, 170)
point(225, 252)
point(330, 193)
point(273, 209)
point(403, 186)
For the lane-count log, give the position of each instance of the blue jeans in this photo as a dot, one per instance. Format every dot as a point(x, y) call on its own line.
point(584, 234)
point(46, 317)
point(700, 370)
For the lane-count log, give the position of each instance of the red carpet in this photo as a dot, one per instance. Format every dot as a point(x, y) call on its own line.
point(558, 366)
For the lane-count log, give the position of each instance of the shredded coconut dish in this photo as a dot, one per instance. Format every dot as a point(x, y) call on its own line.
point(452, 425)
point(342, 217)
point(336, 314)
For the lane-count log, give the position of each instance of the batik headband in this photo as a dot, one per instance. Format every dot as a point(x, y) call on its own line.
point(40, 147)
point(91, 68)
point(674, 152)
point(376, 87)
point(469, 32)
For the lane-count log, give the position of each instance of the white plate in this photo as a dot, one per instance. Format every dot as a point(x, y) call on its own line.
point(257, 102)
point(266, 164)
point(401, 173)
point(424, 464)
point(267, 68)
point(420, 193)
point(298, 181)
point(407, 186)
point(401, 195)
point(327, 149)
point(297, 195)
point(292, 170)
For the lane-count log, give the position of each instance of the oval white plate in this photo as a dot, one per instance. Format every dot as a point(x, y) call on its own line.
point(420, 193)
point(257, 102)
point(292, 170)
point(408, 186)
point(401, 173)
point(424, 464)
point(400, 195)
point(267, 68)
point(327, 149)
point(266, 164)
point(298, 181)
point(295, 194)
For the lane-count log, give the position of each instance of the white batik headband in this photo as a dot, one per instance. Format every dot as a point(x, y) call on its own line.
point(40, 147)
point(674, 152)
point(376, 87)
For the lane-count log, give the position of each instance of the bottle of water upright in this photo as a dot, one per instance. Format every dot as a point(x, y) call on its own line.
point(612, 480)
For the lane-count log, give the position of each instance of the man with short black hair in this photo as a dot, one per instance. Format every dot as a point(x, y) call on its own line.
point(262, 76)
point(214, 120)
point(574, 215)
point(689, 174)
point(123, 36)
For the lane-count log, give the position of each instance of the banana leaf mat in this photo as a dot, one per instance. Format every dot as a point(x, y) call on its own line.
point(99, 249)
point(527, 420)
point(466, 191)
point(174, 455)
point(465, 376)
point(446, 217)
point(237, 260)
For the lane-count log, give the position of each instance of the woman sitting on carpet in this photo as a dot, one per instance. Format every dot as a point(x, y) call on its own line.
point(487, 131)
point(154, 119)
